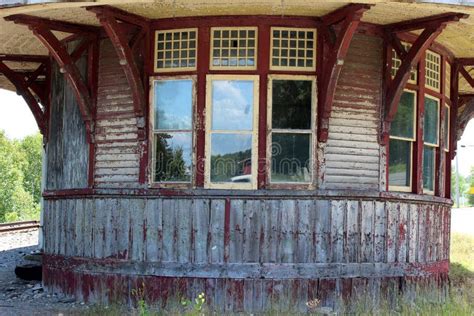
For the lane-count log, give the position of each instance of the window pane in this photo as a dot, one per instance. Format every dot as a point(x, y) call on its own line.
point(403, 123)
point(446, 127)
point(428, 168)
point(399, 163)
point(291, 104)
point(173, 104)
point(173, 158)
point(431, 121)
point(291, 157)
point(231, 158)
point(232, 104)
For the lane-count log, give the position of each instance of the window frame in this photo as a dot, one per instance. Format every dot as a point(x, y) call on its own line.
point(440, 69)
point(412, 144)
point(395, 57)
point(151, 138)
point(311, 131)
point(290, 68)
point(208, 184)
point(435, 147)
point(174, 69)
point(447, 118)
point(233, 68)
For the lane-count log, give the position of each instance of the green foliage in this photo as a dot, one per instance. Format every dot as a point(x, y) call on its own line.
point(20, 178)
point(470, 194)
point(463, 188)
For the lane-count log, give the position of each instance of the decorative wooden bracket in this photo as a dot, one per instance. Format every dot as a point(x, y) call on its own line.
point(336, 46)
point(433, 26)
point(42, 29)
point(29, 86)
point(111, 19)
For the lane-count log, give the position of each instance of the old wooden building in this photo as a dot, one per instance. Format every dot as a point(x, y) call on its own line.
point(267, 153)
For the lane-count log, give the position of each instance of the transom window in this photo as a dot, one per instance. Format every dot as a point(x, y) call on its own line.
point(431, 142)
point(231, 131)
point(402, 138)
point(234, 48)
point(175, 50)
point(397, 62)
point(447, 81)
point(433, 70)
point(173, 101)
point(291, 124)
point(293, 49)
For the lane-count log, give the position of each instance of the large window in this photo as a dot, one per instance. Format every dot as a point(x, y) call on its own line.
point(172, 130)
point(291, 122)
point(402, 137)
point(231, 138)
point(431, 142)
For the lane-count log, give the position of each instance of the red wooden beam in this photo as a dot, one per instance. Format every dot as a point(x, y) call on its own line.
point(126, 58)
point(465, 61)
point(81, 48)
point(334, 54)
point(24, 58)
point(53, 25)
point(467, 76)
point(426, 22)
point(60, 54)
point(22, 89)
point(397, 45)
point(121, 15)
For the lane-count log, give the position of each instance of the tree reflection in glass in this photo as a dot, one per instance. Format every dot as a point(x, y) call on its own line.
point(173, 160)
point(399, 163)
point(231, 158)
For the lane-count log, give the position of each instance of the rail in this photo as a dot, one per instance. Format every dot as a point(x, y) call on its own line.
point(16, 226)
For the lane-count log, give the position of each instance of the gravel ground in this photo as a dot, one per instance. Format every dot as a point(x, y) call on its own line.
point(19, 297)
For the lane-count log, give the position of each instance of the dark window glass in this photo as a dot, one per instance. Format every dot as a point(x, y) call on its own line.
point(399, 163)
point(291, 157)
point(231, 158)
point(173, 158)
point(403, 123)
point(291, 108)
point(431, 119)
point(428, 168)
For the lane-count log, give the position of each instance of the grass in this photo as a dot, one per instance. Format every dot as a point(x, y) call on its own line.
point(459, 301)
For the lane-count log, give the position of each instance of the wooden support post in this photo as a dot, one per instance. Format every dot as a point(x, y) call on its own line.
point(336, 46)
point(23, 88)
point(432, 26)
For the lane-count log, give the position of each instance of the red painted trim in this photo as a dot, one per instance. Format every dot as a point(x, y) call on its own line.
point(22, 89)
point(425, 22)
point(121, 15)
point(93, 83)
point(227, 230)
point(467, 76)
point(341, 14)
point(417, 185)
point(200, 129)
point(454, 108)
point(53, 25)
point(26, 58)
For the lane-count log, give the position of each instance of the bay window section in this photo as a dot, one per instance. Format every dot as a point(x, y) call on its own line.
point(291, 117)
point(172, 130)
point(231, 131)
point(402, 137)
point(431, 142)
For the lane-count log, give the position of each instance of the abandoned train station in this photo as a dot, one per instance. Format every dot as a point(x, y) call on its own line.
point(267, 153)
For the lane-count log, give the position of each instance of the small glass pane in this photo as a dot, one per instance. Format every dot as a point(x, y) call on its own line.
point(232, 104)
point(291, 104)
point(173, 157)
point(173, 104)
point(231, 158)
point(291, 157)
point(446, 127)
point(399, 163)
point(430, 126)
point(428, 168)
point(403, 124)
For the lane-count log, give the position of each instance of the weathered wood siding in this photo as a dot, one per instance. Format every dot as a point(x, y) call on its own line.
point(351, 157)
point(116, 157)
point(248, 253)
point(67, 149)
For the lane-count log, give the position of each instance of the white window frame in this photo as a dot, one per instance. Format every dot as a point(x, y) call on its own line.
point(207, 175)
point(427, 78)
point(412, 142)
point(151, 139)
point(174, 69)
point(312, 131)
point(294, 68)
point(432, 145)
point(228, 28)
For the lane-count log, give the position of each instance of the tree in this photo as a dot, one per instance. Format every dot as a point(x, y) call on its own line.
point(470, 193)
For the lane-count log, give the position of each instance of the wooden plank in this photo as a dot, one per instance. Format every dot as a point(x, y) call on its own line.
point(413, 233)
point(169, 231)
point(251, 225)
point(393, 209)
point(201, 230)
point(380, 231)
point(136, 224)
point(123, 232)
point(323, 231)
point(367, 231)
point(352, 241)
point(88, 234)
point(403, 233)
point(236, 231)
point(110, 226)
point(216, 232)
point(183, 222)
point(152, 222)
point(98, 227)
point(288, 227)
point(422, 244)
point(304, 232)
point(338, 210)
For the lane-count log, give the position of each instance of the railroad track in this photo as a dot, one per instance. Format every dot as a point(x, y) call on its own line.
point(16, 226)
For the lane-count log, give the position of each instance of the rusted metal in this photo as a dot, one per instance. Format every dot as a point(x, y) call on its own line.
point(17, 226)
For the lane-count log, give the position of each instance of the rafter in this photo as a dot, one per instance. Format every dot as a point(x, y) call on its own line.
point(466, 76)
point(335, 51)
point(109, 18)
point(53, 25)
point(432, 27)
point(23, 86)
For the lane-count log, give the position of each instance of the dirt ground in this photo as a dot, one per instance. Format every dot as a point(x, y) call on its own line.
point(18, 297)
